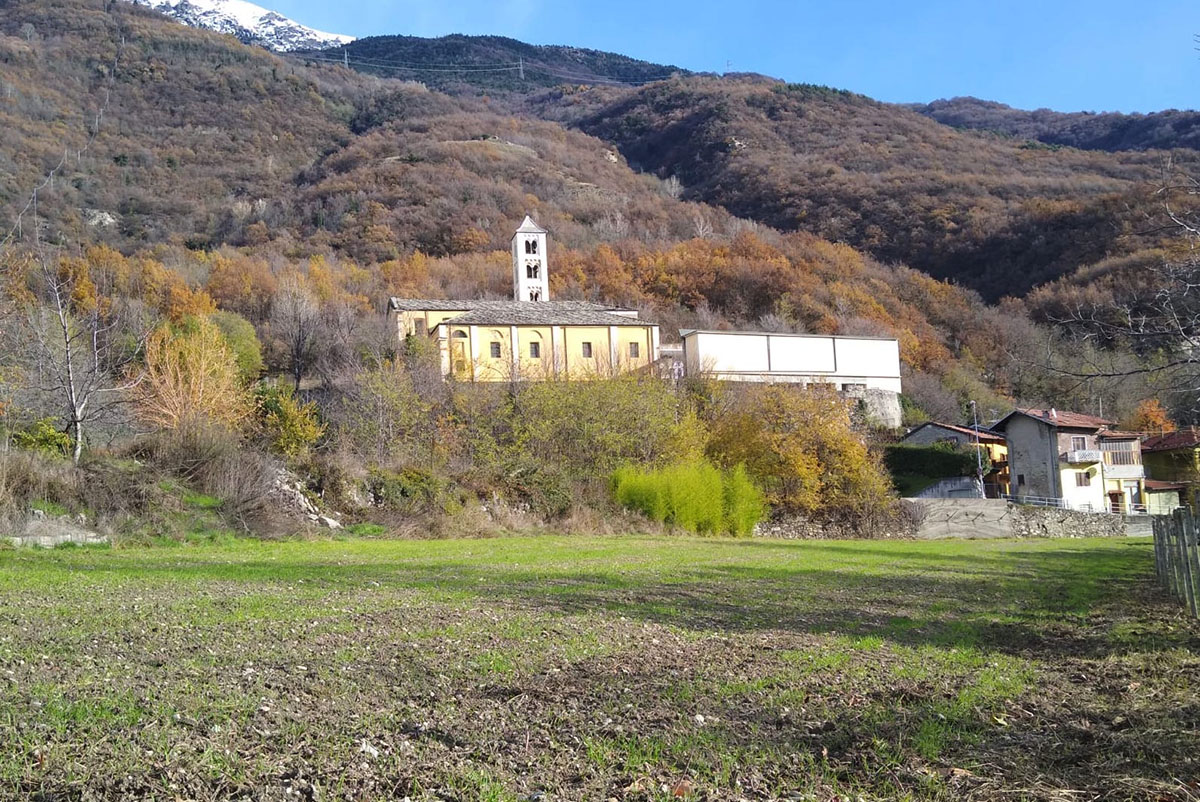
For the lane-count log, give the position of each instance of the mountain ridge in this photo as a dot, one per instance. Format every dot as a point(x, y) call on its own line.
point(250, 23)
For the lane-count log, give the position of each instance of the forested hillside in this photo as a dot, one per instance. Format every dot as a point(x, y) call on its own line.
point(987, 211)
point(1088, 130)
point(492, 65)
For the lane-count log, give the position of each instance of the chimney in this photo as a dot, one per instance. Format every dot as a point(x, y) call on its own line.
point(1053, 413)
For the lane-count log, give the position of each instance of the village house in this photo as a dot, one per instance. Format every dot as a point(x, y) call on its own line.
point(1073, 460)
point(863, 368)
point(530, 337)
point(996, 480)
point(1174, 457)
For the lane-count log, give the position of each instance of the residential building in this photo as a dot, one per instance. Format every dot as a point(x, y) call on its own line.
point(1073, 460)
point(996, 480)
point(864, 368)
point(1175, 457)
point(531, 337)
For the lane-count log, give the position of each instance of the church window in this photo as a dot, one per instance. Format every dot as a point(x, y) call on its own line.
point(531, 246)
point(460, 333)
point(535, 294)
point(634, 350)
point(587, 350)
point(495, 350)
point(535, 350)
point(419, 328)
point(533, 270)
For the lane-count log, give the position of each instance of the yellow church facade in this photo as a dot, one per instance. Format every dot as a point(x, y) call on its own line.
point(530, 338)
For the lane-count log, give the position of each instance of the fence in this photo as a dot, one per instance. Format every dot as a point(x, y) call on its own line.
point(1177, 557)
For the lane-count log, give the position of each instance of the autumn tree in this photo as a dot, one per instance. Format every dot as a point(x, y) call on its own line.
point(798, 444)
point(191, 377)
point(1150, 416)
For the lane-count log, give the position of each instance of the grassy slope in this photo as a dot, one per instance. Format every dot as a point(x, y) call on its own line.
point(580, 667)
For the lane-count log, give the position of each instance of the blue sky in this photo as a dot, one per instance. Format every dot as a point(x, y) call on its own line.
point(1060, 54)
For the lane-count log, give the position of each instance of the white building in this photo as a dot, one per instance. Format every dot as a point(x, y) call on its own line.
point(866, 368)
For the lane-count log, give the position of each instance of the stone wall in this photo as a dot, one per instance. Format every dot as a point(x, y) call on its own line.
point(936, 519)
point(1051, 522)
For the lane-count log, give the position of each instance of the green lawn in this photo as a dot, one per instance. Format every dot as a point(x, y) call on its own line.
point(556, 668)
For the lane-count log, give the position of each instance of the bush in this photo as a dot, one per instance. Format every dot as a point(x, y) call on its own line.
point(695, 496)
point(409, 490)
point(43, 438)
point(290, 427)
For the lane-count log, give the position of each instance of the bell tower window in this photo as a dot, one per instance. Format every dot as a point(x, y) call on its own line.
point(533, 270)
point(531, 247)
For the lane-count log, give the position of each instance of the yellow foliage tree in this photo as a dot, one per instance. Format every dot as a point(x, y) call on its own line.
point(191, 376)
point(799, 446)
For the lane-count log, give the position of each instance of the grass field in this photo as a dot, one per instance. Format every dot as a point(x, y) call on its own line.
point(596, 668)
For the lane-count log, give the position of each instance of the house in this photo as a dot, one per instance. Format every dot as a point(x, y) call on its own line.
point(1163, 498)
point(1073, 460)
point(865, 368)
point(530, 337)
point(996, 480)
point(1175, 457)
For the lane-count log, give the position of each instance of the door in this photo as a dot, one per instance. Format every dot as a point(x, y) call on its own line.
point(1115, 499)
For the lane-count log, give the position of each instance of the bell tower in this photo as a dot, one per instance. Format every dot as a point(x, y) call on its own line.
point(531, 280)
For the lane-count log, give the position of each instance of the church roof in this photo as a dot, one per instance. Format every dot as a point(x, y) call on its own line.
point(530, 227)
point(545, 313)
point(459, 305)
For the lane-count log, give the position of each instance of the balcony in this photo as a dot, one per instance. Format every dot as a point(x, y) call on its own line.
point(1123, 465)
point(1084, 456)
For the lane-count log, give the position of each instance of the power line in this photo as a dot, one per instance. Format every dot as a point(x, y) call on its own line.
point(521, 67)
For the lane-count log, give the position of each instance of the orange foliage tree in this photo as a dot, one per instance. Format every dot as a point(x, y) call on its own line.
point(191, 377)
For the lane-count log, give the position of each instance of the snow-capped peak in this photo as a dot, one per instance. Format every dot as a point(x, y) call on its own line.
point(250, 23)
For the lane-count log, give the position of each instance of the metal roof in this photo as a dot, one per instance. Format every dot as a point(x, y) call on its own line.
point(985, 436)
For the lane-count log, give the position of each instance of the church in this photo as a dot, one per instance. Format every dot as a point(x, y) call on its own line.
point(530, 338)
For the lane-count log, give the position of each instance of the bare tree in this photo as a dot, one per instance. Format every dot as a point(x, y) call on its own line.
point(80, 348)
point(295, 320)
point(1157, 316)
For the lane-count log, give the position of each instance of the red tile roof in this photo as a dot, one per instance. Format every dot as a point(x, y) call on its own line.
point(1184, 438)
point(1060, 417)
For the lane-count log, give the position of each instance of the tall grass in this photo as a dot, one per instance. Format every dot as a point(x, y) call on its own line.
point(695, 496)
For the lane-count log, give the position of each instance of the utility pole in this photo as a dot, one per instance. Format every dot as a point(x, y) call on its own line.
point(345, 58)
point(978, 448)
point(521, 66)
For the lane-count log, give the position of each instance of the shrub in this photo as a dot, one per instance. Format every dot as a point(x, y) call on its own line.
point(242, 340)
point(290, 427)
point(44, 438)
point(800, 446)
point(409, 490)
point(695, 496)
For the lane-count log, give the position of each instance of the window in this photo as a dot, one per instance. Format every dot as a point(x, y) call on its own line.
point(531, 246)
point(535, 294)
point(533, 270)
point(495, 350)
point(460, 334)
point(419, 328)
point(1083, 479)
point(587, 350)
point(535, 350)
point(634, 350)
point(1020, 478)
point(1078, 443)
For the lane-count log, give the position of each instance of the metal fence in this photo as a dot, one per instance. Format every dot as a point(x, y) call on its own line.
point(1177, 557)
